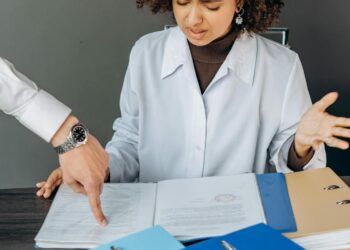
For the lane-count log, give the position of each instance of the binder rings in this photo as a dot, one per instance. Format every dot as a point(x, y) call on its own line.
point(320, 201)
point(260, 237)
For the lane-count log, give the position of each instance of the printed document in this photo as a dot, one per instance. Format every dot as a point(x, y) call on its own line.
point(187, 208)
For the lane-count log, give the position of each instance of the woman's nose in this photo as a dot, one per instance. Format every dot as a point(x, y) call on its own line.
point(194, 16)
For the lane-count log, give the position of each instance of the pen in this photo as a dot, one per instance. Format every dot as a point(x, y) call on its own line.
point(115, 248)
point(227, 246)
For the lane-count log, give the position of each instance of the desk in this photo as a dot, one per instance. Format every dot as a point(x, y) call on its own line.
point(22, 214)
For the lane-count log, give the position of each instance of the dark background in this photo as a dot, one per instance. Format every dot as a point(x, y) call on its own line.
point(319, 32)
point(78, 51)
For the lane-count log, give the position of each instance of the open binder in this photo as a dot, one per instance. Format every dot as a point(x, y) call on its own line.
point(187, 208)
point(206, 207)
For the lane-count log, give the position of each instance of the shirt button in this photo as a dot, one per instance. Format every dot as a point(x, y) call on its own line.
point(198, 148)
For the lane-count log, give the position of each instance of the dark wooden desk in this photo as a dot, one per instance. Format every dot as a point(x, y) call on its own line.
point(22, 214)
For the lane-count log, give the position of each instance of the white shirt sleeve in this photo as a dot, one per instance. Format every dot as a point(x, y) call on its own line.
point(36, 109)
point(122, 149)
point(296, 102)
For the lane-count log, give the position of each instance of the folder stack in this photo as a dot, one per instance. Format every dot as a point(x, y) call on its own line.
point(321, 205)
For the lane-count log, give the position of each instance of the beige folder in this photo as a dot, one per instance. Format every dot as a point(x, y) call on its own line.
point(317, 202)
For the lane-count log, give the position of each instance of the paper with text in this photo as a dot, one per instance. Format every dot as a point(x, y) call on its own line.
point(206, 207)
point(128, 208)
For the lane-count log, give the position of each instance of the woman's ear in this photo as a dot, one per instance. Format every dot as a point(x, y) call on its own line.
point(239, 5)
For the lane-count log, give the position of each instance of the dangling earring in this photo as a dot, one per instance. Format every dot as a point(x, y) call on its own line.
point(239, 18)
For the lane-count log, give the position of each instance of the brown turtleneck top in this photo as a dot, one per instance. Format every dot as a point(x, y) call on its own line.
point(207, 61)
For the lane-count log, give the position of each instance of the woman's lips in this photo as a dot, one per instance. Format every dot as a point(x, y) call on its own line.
point(196, 34)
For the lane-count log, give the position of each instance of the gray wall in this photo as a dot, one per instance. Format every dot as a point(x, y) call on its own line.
point(78, 51)
point(320, 34)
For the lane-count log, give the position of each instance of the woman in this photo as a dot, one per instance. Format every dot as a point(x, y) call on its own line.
point(211, 97)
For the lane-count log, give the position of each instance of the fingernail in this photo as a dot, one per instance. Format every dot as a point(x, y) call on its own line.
point(104, 222)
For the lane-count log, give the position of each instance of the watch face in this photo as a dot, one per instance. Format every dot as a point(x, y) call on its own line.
point(79, 134)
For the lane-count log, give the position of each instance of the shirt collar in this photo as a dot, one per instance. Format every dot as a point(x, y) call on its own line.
point(241, 59)
point(176, 52)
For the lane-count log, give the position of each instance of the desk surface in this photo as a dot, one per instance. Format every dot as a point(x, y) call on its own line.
point(22, 214)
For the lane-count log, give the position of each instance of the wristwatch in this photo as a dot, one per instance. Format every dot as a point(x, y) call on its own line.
point(78, 136)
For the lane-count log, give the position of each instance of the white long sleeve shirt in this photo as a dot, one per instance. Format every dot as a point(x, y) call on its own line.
point(34, 108)
point(245, 121)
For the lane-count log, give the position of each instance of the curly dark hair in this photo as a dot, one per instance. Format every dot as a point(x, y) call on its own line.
point(258, 14)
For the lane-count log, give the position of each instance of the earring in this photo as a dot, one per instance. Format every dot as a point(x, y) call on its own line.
point(239, 18)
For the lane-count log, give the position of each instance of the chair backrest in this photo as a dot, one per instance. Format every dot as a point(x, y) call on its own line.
point(278, 34)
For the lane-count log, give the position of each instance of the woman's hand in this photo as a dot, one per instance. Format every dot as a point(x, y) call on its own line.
point(317, 126)
point(48, 186)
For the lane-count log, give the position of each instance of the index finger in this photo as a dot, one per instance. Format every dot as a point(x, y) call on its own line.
point(95, 205)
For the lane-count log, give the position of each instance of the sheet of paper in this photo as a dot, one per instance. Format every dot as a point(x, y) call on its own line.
point(204, 207)
point(325, 241)
point(128, 208)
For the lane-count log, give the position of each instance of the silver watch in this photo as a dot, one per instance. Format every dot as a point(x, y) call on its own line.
point(78, 136)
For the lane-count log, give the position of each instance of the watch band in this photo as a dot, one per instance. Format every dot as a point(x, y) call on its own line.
point(71, 142)
point(65, 147)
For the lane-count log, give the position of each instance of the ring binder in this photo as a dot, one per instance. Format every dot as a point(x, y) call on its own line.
point(332, 187)
point(343, 202)
point(321, 205)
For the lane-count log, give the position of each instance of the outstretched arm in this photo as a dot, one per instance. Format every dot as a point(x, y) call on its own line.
point(83, 168)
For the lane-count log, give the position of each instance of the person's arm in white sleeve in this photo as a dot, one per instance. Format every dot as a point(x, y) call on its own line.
point(84, 168)
point(295, 103)
point(35, 109)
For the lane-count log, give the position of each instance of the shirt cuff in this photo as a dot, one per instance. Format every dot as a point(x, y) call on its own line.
point(318, 159)
point(44, 115)
point(295, 162)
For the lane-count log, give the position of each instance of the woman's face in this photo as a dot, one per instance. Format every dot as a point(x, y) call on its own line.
point(203, 21)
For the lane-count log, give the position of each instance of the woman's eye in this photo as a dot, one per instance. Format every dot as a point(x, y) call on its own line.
point(212, 7)
point(182, 3)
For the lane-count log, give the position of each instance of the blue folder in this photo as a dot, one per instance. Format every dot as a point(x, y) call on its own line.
point(258, 237)
point(155, 238)
point(275, 200)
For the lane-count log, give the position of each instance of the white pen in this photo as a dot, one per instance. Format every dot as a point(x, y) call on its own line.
point(227, 246)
